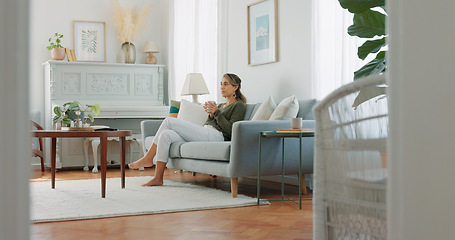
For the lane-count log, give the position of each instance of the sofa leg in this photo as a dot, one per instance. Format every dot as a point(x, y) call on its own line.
point(304, 191)
point(234, 184)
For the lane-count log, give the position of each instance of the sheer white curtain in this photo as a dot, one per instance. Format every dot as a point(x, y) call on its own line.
point(334, 55)
point(194, 45)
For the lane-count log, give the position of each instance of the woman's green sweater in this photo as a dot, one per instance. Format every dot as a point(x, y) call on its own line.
point(225, 117)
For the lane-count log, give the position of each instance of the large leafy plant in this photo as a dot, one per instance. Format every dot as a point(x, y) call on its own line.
point(62, 112)
point(369, 24)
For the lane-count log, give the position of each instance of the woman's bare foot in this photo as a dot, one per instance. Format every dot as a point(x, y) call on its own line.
point(143, 162)
point(153, 182)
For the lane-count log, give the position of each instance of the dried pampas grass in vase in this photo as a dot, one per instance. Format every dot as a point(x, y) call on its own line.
point(128, 23)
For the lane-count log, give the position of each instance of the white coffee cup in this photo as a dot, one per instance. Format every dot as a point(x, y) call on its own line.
point(296, 123)
point(211, 102)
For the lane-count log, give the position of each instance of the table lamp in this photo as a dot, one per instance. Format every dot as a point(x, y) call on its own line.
point(194, 85)
point(150, 48)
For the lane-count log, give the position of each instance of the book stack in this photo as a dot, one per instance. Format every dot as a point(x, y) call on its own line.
point(70, 55)
point(291, 130)
point(90, 129)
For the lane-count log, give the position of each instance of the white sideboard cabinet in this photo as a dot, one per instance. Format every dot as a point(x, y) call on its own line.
point(126, 93)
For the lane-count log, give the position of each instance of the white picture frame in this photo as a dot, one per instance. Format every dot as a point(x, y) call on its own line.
point(89, 41)
point(262, 32)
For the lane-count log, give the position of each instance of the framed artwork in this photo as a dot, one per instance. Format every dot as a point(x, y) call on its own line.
point(262, 32)
point(89, 41)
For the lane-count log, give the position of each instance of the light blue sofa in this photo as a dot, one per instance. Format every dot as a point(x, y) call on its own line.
point(239, 157)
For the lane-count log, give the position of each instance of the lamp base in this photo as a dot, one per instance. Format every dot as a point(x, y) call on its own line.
point(195, 99)
point(150, 59)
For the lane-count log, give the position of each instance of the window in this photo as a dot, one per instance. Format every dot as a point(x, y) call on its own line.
point(194, 46)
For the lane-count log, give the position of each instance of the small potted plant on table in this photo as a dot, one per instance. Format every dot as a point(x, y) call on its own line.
point(75, 112)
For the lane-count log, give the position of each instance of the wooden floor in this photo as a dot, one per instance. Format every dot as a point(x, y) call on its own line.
point(280, 220)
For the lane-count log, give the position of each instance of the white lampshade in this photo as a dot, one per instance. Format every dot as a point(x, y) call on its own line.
point(150, 46)
point(194, 85)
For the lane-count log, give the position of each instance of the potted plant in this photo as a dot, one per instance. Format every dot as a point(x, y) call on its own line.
point(57, 50)
point(75, 111)
point(369, 24)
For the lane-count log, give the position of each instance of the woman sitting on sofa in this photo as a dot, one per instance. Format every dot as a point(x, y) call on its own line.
point(217, 128)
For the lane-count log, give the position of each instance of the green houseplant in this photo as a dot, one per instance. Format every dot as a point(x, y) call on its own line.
point(56, 48)
point(70, 111)
point(369, 24)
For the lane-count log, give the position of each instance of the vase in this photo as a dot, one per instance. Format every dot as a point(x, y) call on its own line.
point(120, 56)
point(129, 50)
point(72, 115)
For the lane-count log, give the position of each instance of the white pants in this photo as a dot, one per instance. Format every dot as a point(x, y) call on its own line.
point(176, 130)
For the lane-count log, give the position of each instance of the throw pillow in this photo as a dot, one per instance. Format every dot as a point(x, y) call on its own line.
point(286, 109)
point(174, 108)
point(265, 110)
point(192, 112)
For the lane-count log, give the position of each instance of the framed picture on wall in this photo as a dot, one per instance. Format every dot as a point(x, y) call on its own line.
point(89, 41)
point(262, 32)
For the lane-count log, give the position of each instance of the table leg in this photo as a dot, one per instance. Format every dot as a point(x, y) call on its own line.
point(259, 171)
point(122, 162)
point(86, 145)
point(300, 170)
point(53, 157)
point(95, 145)
point(103, 141)
point(282, 168)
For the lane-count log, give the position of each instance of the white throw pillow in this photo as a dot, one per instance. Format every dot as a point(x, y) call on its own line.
point(287, 109)
point(192, 112)
point(265, 110)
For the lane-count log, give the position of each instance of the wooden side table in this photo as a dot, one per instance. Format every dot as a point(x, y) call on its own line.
point(102, 135)
point(283, 135)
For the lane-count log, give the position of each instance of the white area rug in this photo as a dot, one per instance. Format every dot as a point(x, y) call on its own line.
point(81, 199)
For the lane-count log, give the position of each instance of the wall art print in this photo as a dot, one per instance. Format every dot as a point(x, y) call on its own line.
point(89, 41)
point(262, 32)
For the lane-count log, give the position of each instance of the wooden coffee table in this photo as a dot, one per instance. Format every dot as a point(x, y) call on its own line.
point(103, 135)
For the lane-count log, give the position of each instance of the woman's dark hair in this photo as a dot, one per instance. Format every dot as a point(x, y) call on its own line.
point(236, 81)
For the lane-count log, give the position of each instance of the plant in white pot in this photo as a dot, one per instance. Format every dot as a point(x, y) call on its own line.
point(57, 50)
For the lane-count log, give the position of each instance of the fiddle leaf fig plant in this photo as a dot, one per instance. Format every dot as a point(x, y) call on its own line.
point(63, 112)
point(369, 24)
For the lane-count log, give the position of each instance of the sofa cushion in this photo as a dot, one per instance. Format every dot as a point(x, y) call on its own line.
point(174, 150)
point(306, 109)
point(174, 108)
point(265, 110)
point(192, 112)
point(255, 109)
point(249, 111)
point(216, 151)
point(287, 109)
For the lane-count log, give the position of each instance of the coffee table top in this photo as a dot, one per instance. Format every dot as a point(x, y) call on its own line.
point(67, 134)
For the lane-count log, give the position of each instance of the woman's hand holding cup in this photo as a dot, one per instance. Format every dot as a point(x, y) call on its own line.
point(210, 107)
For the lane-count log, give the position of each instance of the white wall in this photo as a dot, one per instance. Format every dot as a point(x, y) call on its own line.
point(421, 197)
point(292, 73)
point(50, 16)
